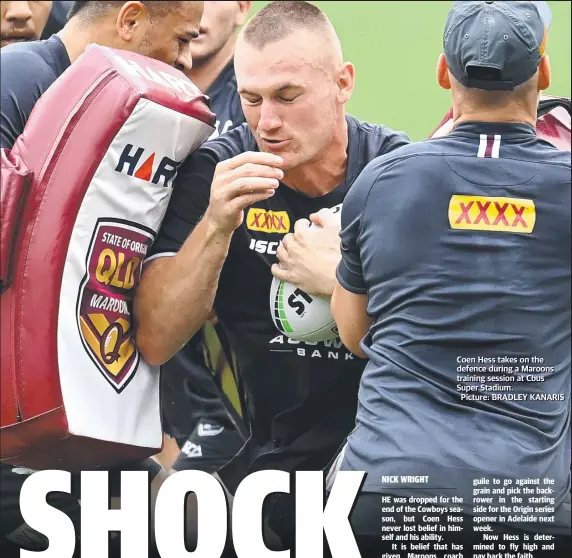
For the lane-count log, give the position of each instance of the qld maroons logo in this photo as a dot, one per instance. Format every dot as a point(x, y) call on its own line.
point(114, 262)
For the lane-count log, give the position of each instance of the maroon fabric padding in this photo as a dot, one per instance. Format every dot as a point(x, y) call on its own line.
point(15, 180)
point(64, 141)
point(44, 441)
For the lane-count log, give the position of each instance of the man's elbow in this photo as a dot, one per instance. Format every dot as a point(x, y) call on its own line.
point(148, 338)
point(152, 352)
point(353, 344)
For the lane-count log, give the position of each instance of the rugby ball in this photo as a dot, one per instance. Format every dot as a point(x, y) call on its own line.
point(299, 315)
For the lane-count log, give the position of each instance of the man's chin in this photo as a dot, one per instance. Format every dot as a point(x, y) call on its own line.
point(201, 57)
point(286, 155)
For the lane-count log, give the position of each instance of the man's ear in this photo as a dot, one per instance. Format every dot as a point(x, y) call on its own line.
point(443, 72)
point(544, 73)
point(132, 20)
point(346, 82)
point(242, 15)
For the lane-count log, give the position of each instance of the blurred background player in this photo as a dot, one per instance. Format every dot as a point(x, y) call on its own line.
point(22, 21)
point(213, 60)
point(453, 250)
point(201, 399)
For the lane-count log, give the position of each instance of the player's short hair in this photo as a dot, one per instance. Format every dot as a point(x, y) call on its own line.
point(94, 9)
point(279, 19)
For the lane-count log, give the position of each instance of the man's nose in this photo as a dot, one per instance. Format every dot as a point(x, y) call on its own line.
point(269, 117)
point(184, 62)
point(19, 12)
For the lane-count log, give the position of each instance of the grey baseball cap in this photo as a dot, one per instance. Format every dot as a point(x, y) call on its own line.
point(495, 45)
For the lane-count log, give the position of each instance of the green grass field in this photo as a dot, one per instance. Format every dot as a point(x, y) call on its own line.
point(395, 46)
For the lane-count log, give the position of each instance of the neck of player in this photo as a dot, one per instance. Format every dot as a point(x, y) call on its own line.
point(323, 174)
point(205, 71)
point(516, 114)
point(76, 35)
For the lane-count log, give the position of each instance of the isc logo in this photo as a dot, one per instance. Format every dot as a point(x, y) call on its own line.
point(267, 221)
point(134, 164)
point(263, 246)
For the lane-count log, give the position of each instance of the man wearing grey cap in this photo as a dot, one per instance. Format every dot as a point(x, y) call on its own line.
point(455, 283)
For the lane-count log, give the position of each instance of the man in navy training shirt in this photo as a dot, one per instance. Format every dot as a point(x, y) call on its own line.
point(456, 254)
point(235, 199)
point(198, 378)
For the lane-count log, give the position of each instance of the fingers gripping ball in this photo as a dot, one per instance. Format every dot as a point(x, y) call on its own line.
point(299, 315)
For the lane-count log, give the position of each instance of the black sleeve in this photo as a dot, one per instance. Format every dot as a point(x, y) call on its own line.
point(22, 74)
point(189, 201)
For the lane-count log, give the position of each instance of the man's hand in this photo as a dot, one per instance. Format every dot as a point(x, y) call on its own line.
point(309, 257)
point(239, 182)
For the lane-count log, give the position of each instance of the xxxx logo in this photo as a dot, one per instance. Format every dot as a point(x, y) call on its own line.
point(492, 214)
point(267, 221)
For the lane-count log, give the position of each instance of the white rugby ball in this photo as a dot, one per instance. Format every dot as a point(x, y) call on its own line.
point(301, 316)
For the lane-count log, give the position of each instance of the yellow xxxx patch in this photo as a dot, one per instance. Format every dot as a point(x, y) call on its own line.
point(481, 213)
point(267, 221)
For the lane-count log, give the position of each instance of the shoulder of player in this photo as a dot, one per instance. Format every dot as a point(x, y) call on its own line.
point(33, 56)
point(553, 157)
point(411, 157)
point(382, 138)
point(231, 143)
point(204, 160)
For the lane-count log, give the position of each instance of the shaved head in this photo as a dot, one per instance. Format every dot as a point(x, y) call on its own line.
point(278, 21)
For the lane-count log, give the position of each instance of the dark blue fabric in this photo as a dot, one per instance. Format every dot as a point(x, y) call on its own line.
point(438, 294)
point(26, 72)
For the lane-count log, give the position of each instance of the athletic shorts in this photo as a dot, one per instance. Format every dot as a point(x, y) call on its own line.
point(15, 534)
point(211, 445)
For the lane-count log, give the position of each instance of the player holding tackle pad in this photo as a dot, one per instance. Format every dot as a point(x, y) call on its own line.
point(84, 191)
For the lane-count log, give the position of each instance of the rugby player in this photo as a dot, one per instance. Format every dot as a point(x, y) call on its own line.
point(160, 30)
point(208, 431)
point(213, 60)
point(22, 21)
point(235, 199)
point(455, 250)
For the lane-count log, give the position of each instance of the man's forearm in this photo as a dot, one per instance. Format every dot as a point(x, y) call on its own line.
point(177, 293)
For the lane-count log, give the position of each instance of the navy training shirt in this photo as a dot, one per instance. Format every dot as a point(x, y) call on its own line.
point(225, 101)
point(26, 72)
point(190, 393)
point(462, 245)
point(301, 397)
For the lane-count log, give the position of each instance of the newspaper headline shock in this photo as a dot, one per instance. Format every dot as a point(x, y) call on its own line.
point(314, 516)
